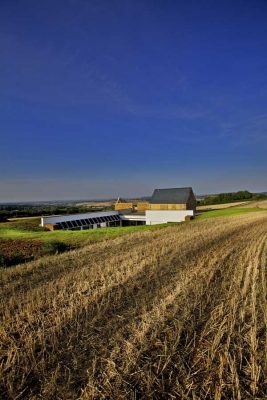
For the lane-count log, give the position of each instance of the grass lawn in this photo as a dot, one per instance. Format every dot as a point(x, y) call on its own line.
point(29, 229)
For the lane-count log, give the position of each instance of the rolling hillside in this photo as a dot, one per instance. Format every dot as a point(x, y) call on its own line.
point(257, 204)
point(172, 313)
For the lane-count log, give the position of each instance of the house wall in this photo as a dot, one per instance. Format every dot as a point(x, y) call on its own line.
point(123, 206)
point(154, 217)
point(192, 203)
point(167, 206)
point(142, 206)
point(51, 227)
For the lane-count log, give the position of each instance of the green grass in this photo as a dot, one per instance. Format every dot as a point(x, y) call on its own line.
point(227, 212)
point(29, 229)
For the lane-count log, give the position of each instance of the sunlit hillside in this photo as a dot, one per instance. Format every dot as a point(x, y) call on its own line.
point(173, 313)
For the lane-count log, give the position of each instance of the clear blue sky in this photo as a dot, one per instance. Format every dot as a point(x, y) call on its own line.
point(106, 98)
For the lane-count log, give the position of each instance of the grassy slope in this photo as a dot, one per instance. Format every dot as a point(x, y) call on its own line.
point(29, 229)
point(22, 229)
point(179, 313)
point(224, 205)
point(258, 204)
point(227, 212)
point(243, 204)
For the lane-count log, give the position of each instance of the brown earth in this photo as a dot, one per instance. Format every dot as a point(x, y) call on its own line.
point(27, 249)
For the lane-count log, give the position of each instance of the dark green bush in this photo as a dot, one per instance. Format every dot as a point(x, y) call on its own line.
point(14, 260)
point(2, 260)
point(54, 248)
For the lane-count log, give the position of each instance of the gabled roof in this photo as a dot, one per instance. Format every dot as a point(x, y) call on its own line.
point(171, 196)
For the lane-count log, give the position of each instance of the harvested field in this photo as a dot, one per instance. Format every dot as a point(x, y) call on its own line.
point(178, 313)
point(257, 204)
point(225, 205)
point(239, 204)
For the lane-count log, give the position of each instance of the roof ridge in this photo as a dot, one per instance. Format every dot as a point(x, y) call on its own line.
point(184, 187)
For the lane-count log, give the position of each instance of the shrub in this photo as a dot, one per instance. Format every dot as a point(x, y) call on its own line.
point(14, 260)
point(54, 248)
point(2, 261)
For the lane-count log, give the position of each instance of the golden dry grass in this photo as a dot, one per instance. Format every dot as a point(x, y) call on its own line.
point(242, 204)
point(257, 204)
point(178, 313)
point(222, 206)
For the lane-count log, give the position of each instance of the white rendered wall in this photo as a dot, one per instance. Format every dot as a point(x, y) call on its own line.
point(154, 217)
point(74, 217)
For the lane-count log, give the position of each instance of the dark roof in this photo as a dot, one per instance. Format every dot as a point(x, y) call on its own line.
point(171, 196)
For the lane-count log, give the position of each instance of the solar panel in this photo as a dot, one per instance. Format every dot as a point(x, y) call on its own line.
point(88, 223)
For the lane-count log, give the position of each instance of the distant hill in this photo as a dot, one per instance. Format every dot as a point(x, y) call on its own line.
point(222, 198)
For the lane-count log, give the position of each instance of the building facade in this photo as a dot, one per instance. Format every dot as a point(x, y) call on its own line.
point(166, 205)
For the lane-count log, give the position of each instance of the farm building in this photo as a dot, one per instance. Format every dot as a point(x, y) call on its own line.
point(91, 220)
point(122, 204)
point(173, 199)
point(171, 205)
point(166, 205)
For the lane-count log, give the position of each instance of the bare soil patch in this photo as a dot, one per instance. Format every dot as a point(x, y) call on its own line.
point(19, 250)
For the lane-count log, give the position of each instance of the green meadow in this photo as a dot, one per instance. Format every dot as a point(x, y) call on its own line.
point(30, 229)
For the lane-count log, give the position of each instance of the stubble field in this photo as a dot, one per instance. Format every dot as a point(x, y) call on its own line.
point(172, 313)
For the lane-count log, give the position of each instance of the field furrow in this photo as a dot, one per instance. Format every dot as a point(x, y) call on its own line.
point(175, 313)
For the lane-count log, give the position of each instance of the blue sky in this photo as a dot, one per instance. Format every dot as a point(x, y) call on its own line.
point(106, 98)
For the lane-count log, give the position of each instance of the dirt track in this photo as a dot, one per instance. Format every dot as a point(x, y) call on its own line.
point(176, 313)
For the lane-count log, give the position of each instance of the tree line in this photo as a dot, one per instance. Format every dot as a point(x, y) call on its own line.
point(231, 197)
point(14, 211)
